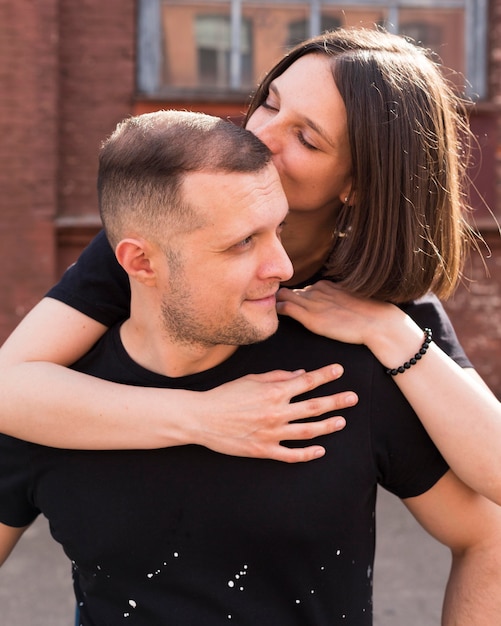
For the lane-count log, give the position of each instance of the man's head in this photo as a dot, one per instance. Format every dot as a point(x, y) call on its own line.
point(194, 206)
point(143, 164)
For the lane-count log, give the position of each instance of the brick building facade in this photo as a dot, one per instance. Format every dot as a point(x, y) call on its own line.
point(67, 76)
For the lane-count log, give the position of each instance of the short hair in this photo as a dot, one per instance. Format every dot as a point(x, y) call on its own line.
point(143, 163)
point(403, 232)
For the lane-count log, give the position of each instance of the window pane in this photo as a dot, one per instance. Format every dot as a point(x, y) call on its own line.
point(276, 30)
point(213, 43)
point(190, 41)
point(197, 42)
point(442, 30)
point(202, 50)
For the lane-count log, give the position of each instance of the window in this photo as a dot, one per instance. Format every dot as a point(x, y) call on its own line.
point(194, 49)
point(299, 31)
point(213, 43)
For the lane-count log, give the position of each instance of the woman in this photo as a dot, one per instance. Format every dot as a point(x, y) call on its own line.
point(366, 136)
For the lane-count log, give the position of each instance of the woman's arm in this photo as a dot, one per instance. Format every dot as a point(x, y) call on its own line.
point(460, 413)
point(44, 402)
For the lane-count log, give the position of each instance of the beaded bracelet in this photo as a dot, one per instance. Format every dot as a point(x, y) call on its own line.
point(416, 357)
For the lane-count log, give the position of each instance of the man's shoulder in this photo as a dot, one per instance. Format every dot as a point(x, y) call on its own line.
point(297, 347)
point(291, 331)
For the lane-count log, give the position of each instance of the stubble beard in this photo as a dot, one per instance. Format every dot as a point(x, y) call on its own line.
point(186, 324)
point(188, 327)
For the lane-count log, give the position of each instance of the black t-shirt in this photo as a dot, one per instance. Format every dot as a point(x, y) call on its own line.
point(98, 286)
point(188, 537)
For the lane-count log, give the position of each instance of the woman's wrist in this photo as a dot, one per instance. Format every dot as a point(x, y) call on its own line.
point(414, 360)
point(395, 339)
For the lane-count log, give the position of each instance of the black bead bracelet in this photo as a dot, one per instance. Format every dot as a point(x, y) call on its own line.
point(422, 351)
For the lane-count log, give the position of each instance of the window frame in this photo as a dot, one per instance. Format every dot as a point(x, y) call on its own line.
point(149, 44)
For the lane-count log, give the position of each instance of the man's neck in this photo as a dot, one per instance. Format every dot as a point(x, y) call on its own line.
point(156, 353)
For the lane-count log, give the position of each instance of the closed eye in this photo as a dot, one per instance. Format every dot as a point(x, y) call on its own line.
point(269, 107)
point(303, 141)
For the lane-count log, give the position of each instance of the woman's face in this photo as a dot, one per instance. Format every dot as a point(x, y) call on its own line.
point(303, 122)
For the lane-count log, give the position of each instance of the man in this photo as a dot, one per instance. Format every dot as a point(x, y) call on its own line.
point(194, 208)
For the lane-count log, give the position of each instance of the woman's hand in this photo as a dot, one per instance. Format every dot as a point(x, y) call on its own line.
point(327, 310)
point(459, 412)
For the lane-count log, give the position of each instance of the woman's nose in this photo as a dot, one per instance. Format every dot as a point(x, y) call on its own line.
point(269, 133)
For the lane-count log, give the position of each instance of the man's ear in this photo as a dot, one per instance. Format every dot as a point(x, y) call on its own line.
point(135, 256)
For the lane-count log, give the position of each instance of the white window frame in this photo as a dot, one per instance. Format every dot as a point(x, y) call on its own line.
point(149, 48)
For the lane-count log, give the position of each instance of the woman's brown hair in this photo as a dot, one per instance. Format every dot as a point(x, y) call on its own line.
point(402, 231)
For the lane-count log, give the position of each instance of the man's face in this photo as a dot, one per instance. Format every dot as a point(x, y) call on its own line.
point(223, 277)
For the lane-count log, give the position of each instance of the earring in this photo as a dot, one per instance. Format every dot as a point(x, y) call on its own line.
point(346, 200)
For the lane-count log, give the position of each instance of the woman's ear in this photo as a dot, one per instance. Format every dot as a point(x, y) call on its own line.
point(347, 195)
point(135, 256)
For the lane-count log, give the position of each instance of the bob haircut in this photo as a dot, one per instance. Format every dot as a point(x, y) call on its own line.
point(403, 231)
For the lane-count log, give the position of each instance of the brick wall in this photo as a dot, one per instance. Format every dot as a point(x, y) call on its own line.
point(495, 81)
point(96, 91)
point(28, 153)
point(66, 79)
point(475, 309)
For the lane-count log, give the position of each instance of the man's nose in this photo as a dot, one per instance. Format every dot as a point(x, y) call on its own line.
point(279, 266)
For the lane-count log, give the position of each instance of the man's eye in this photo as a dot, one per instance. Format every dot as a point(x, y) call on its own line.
point(280, 229)
point(244, 243)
